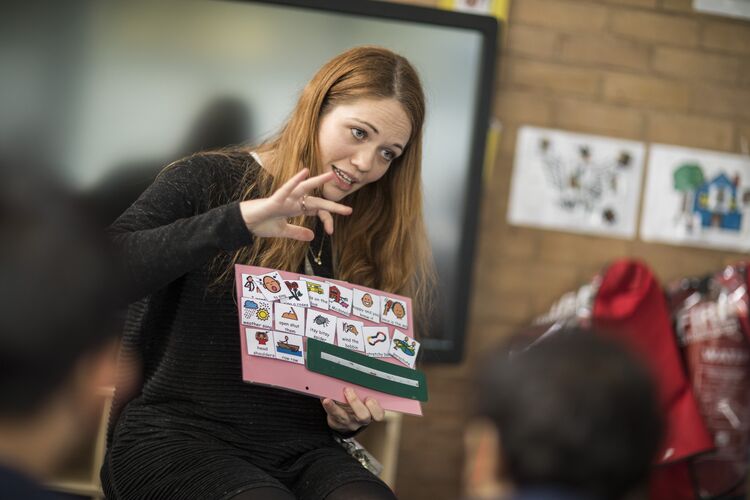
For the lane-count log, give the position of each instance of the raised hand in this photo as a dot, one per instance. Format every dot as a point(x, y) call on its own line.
point(267, 217)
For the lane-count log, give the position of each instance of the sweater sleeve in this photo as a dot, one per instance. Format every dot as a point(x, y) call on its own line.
point(170, 230)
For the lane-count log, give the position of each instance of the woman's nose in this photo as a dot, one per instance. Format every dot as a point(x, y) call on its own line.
point(363, 160)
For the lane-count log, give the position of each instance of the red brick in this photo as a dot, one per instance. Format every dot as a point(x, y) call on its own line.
point(678, 5)
point(743, 138)
point(694, 65)
point(727, 36)
point(745, 75)
point(564, 248)
point(691, 131)
point(522, 106)
point(657, 28)
point(634, 3)
point(670, 262)
point(563, 15)
point(531, 278)
point(605, 50)
point(486, 335)
point(646, 91)
point(533, 41)
point(426, 3)
point(513, 242)
point(555, 77)
point(508, 138)
point(596, 118)
point(724, 101)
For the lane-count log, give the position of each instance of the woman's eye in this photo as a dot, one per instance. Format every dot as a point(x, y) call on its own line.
point(358, 133)
point(389, 155)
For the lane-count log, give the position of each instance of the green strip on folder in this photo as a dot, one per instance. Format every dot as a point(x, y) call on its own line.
point(359, 369)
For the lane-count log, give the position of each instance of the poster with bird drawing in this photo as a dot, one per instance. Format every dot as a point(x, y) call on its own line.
point(576, 182)
point(697, 197)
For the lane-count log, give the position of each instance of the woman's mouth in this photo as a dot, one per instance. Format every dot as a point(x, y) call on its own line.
point(342, 178)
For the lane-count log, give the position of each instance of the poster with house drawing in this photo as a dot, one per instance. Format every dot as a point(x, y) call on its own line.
point(576, 182)
point(697, 197)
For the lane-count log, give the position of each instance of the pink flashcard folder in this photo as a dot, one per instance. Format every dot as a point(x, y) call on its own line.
point(296, 377)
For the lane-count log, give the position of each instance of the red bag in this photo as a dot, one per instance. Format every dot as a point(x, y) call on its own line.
point(626, 302)
point(630, 305)
point(712, 325)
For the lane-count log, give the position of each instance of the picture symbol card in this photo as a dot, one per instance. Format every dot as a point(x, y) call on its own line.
point(290, 319)
point(321, 326)
point(317, 292)
point(250, 288)
point(350, 334)
point(377, 341)
point(366, 305)
point(404, 348)
point(298, 294)
point(272, 286)
point(289, 348)
point(257, 313)
point(394, 312)
point(260, 343)
point(340, 299)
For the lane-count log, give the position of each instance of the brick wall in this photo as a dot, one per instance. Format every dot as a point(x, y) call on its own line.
point(649, 70)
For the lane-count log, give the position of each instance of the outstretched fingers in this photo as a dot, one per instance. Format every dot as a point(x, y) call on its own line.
point(309, 185)
point(313, 203)
point(297, 233)
point(327, 219)
point(289, 187)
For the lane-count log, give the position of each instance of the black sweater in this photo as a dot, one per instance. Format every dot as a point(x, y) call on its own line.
point(186, 332)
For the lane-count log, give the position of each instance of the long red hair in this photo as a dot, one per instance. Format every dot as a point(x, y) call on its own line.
point(383, 244)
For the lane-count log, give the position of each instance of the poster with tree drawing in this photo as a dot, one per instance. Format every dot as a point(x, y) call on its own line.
point(576, 182)
point(697, 197)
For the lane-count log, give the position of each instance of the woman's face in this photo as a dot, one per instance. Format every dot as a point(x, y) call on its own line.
point(358, 141)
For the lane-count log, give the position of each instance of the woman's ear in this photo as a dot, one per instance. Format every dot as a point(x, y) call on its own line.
point(483, 475)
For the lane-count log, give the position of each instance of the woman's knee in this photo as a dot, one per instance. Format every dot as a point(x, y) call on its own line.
point(264, 493)
point(362, 490)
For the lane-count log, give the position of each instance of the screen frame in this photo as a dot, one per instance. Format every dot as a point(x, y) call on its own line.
point(489, 29)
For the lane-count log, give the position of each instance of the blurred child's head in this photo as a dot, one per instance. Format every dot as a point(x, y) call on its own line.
point(57, 303)
point(572, 411)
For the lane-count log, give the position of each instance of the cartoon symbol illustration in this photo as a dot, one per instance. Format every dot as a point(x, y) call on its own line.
point(405, 347)
point(377, 338)
point(314, 288)
point(249, 284)
point(290, 315)
point(251, 304)
point(586, 180)
point(287, 348)
point(321, 320)
point(261, 337)
point(397, 308)
point(263, 314)
point(293, 287)
point(335, 295)
point(367, 300)
point(609, 216)
point(348, 328)
point(271, 284)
